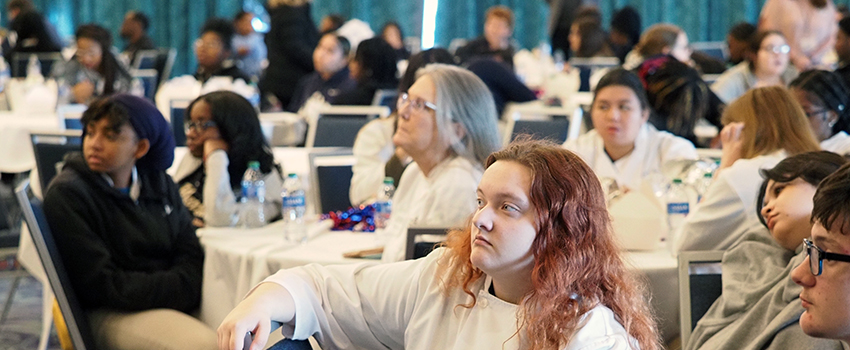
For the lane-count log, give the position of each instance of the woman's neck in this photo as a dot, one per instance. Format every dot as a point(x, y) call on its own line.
point(618, 152)
point(764, 79)
point(427, 161)
point(512, 290)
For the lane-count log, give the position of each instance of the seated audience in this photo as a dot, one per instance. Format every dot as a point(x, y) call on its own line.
point(376, 155)
point(662, 38)
point(134, 30)
point(515, 277)
point(842, 49)
point(826, 101)
point(760, 307)
point(624, 31)
point(94, 71)
point(391, 33)
point(331, 78)
point(124, 235)
point(213, 50)
point(823, 273)
point(374, 68)
point(750, 142)
point(223, 134)
point(678, 96)
point(766, 64)
point(248, 45)
point(447, 124)
point(622, 145)
point(496, 41)
point(738, 41)
point(809, 25)
point(32, 31)
point(587, 39)
point(331, 23)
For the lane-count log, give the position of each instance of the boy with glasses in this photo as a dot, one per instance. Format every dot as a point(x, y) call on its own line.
point(825, 273)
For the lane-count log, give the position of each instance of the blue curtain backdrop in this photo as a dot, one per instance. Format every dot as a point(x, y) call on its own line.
point(175, 23)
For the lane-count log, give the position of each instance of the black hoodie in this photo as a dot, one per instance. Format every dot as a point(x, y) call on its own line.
point(122, 254)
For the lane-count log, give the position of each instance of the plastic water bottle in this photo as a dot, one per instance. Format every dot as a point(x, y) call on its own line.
point(33, 66)
point(253, 196)
point(384, 203)
point(678, 205)
point(702, 185)
point(294, 206)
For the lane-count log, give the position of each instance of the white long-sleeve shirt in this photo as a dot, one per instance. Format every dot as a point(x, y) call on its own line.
point(373, 147)
point(220, 207)
point(838, 143)
point(728, 208)
point(403, 306)
point(652, 149)
point(444, 198)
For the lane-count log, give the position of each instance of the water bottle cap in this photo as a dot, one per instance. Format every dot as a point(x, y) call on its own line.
point(388, 180)
point(254, 164)
point(708, 175)
point(291, 175)
point(677, 181)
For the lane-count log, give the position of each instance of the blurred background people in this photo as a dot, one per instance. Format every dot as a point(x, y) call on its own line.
point(826, 101)
point(29, 31)
point(290, 42)
point(213, 50)
point(249, 48)
point(332, 76)
point(134, 30)
point(738, 41)
point(496, 40)
point(374, 68)
point(766, 65)
point(808, 25)
point(392, 34)
point(94, 70)
point(625, 31)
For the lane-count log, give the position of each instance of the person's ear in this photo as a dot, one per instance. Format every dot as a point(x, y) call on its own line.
point(142, 148)
point(459, 130)
point(644, 115)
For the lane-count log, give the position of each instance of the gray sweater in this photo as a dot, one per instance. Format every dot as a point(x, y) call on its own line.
point(760, 305)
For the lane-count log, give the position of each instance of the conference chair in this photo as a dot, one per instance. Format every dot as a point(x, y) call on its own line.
point(386, 97)
point(72, 312)
point(431, 237)
point(50, 148)
point(699, 286)
point(557, 123)
point(715, 49)
point(337, 126)
point(178, 110)
point(20, 61)
point(330, 171)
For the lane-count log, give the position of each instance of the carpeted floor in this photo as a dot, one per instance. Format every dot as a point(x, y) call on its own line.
point(22, 325)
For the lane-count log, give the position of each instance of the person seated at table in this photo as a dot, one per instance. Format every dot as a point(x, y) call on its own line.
point(447, 125)
point(223, 134)
point(134, 30)
point(750, 142)
point(738, 41)
point(391, 33)
point(94, 71)
point(823, 273)
point(502, 82)
point(124, 235)
point(587, 40)
point(661, 38)
point(678, 96)
point(514, 277)
point(376, 156)
point(753, 311)
point(826, 101)
point(496, 40)
point(250, 50)
point(331, 78)
point(213, 50)
point(624, 31)
point(623, 146)
point(766, 64)
point(33, 33)
point(374, 68)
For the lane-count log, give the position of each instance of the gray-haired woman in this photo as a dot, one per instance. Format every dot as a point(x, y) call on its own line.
point(447, 124)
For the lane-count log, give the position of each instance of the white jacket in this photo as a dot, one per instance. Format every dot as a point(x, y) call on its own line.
point(445, 198)
point(652, 149)
point(403, 306)
point(838, 143)
point(728, 208)
point(222, 211)
point(373, 147)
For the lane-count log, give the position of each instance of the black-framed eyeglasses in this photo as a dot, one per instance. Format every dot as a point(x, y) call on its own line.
point(418, 105)
point(817, 256)
point(199, 127)
point(816, 113)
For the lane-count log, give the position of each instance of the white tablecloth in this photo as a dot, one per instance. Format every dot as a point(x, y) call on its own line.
point(15, 146)
point(238, 259)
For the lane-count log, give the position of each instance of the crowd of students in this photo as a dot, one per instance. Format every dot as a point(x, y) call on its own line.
point(532, 263)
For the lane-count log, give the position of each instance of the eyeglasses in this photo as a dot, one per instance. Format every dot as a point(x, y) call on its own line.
point(777, 49)
point(199, 127)
point(418, 104)
point(200, 43)
point(816, 113)
point(817, 256)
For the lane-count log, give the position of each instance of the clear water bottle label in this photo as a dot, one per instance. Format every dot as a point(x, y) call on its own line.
point(678, 208)
point(249, 191)
point(293, 201)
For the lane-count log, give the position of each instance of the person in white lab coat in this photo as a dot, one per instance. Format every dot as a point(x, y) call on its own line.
point(623, 146)
point(536, 267)
point(826, 100)
point(762, 127)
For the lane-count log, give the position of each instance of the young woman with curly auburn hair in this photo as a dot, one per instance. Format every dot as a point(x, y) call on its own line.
point(536, 268)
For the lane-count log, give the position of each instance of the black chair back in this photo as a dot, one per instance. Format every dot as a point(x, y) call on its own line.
point(338, 131)
point(20, 60)
point(700, 284)
point(416, 250)
point(178, 110)
point(50, 150)
point(75, 317)
point(331, 178)
point(554, 130)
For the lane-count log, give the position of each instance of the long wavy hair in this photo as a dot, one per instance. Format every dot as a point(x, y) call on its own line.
point(577, 264)
point(239, 126)
point(109, 67)
point(773, 120)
